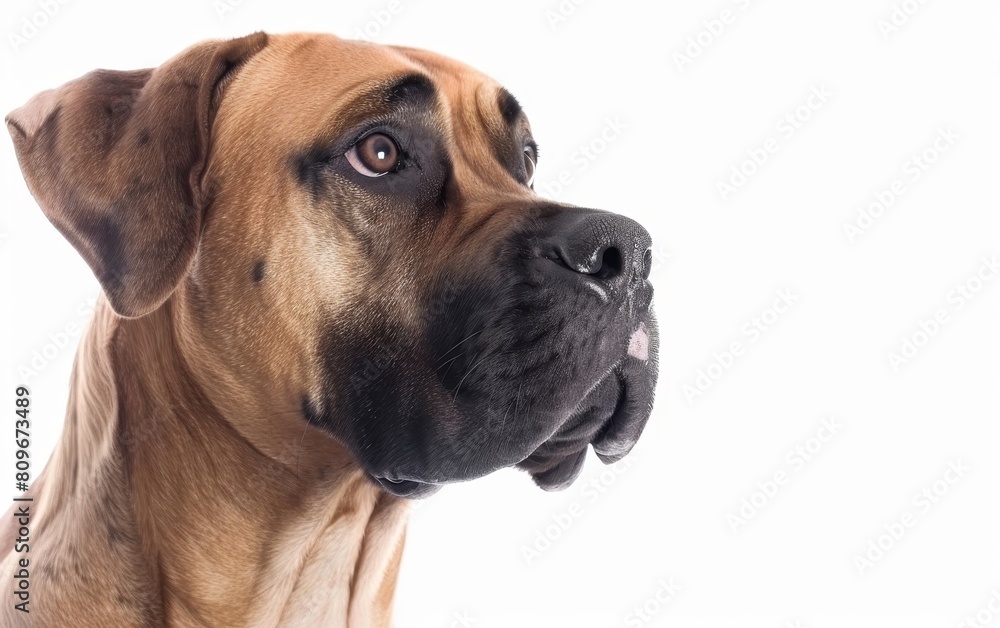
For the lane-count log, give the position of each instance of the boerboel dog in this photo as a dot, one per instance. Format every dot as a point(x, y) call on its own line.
point(328, 287)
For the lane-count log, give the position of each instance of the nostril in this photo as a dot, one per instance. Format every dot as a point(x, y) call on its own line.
point(600, 247)
point(611, 263)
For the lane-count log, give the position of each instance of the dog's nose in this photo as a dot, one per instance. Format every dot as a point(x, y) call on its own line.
point(610, 250)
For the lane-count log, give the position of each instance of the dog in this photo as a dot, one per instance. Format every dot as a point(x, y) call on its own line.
point(328, 288)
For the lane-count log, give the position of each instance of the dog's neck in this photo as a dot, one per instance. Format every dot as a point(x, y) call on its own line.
point(153, 489)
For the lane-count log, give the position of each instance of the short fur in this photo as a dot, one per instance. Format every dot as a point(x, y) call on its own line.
point(286, 349)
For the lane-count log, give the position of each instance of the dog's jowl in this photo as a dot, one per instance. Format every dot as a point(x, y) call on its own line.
point(328, 287)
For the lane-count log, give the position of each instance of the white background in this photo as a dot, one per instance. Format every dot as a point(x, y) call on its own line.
point(665, 520)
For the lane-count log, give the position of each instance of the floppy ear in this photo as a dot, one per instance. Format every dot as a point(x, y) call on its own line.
point(115, 159)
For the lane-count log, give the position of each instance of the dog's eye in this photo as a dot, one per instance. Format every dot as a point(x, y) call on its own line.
point(375, 155)
point(529, 165)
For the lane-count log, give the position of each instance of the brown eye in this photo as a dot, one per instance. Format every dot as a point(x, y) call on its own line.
point(374, 156)
point(529, 166)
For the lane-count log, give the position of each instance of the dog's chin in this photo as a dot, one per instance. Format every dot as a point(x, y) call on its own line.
point(555, 473)
point(610, 419)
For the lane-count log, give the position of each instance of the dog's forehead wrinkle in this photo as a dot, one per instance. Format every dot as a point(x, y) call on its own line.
point(411, 88)
point(510, 108)
point(472, 124)
point(308, 75)
point(464, 113)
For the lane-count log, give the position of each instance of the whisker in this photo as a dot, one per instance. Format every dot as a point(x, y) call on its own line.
point(469, 372)
point(460, 343)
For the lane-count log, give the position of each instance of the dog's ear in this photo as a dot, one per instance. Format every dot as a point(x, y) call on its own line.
point(115, 160)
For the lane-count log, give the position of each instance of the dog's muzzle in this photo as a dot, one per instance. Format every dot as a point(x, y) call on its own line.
point(611, 256)
point(536, 348)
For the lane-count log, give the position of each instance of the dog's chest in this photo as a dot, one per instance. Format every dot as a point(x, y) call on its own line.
point(333, 573)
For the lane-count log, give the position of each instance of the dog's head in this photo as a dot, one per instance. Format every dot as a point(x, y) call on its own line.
point(347, 237)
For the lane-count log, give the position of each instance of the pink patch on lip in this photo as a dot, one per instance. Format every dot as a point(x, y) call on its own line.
point(638, 344)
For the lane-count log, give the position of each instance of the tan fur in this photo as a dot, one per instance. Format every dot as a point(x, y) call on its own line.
point(187, 490)
point(166, 516)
